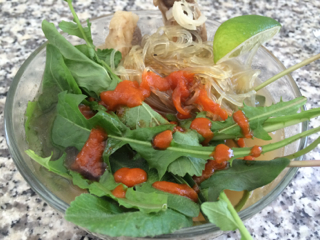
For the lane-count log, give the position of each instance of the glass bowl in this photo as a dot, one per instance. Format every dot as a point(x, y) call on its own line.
point(59, 192)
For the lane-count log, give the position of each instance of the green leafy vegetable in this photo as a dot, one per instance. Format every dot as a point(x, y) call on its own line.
point(225, 216)
point(244, 175)
point(179, 203)
point(190, 165)
point(79, 180)
point(141, 116)
point(105, 54)
point(88, 74)
point(54, 166)
point(99, 216)
point(256, 117)
point(73, 29)
point(145, 202)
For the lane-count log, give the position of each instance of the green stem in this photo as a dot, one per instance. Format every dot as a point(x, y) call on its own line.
point(243, 200)
point(273, 146)
point(76, 19)
point(305, 150)
point(238, 152)
point(243, 230)
point(296, 102)
point(274, 124)
point(287, 71)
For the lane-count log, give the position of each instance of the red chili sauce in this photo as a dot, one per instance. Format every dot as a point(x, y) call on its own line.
point(203, 127)
point(162, 140)
point(222, 153)
point(210, 167)
point(209, 105)
point(178, 189)
point(130, 176)
point(89, 158)
point(119, 192)
point(243, 123)
point(128, 93)
point(86, 111)
point(241, 143)
point(254, 153)
point(176, 128)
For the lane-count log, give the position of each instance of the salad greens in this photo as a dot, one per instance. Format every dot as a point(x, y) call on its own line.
point(74, 73)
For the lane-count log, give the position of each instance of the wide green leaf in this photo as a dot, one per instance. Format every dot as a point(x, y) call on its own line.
point(218, 214)
point(88, 74)
point(72, 29)
point(244, 175)
point(178, 203)
point(100, 216)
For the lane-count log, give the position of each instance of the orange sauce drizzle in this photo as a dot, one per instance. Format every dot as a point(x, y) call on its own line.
point(210, 167)
point(249, 158)
point(89, 158)
point(222, 153)
point(130, 176)
point(178, 189)
point(241, 143)
point(119, 192)
point(203, 127)
point(209, 105)
point(162, 140)
point(243, 123)
point(127, 93)
point(254, 153)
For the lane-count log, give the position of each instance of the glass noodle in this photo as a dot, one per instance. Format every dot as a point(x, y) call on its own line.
point(172, 48)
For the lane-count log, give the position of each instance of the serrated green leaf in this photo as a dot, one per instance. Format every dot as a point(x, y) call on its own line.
point(79, 180)
point(141, 117)
point(99, 216)
point(56, 166)
point(190, 165)
point(256, 117)
point(145, 202)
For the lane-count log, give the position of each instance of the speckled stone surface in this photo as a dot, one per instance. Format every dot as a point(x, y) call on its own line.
point(294, 215)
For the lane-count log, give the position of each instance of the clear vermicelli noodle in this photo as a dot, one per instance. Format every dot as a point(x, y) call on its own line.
point(173, 48)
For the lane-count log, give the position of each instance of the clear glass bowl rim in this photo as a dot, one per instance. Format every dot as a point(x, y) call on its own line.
point(61, 206)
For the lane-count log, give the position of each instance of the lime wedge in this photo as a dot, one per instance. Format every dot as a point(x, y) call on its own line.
point(239, 35)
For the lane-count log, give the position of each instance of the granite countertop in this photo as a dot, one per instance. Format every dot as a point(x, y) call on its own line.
point(294, 215)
